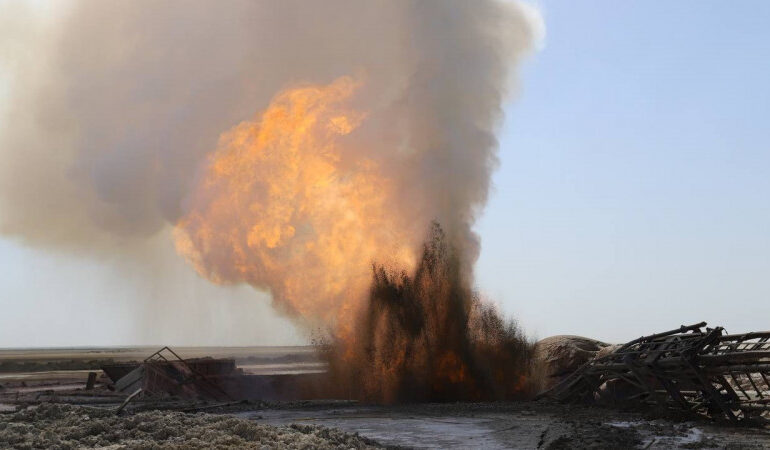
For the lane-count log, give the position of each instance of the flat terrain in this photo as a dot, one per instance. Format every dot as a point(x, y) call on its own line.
point(66, 363)
point(512, 425)
point(86, 355)
point(65, 427)
point(49, 403)
point(335, 425)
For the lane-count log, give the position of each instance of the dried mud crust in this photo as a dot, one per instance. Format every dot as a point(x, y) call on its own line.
point(64, 427)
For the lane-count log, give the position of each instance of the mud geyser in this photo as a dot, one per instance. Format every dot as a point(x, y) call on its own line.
point(427, 336)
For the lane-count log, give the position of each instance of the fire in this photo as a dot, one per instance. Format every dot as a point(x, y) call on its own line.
point(286, 204)
point(289, 203)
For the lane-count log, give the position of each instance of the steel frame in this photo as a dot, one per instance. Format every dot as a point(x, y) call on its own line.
point(698, 369)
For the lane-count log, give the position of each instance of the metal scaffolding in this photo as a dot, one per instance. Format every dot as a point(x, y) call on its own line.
point(699, 369)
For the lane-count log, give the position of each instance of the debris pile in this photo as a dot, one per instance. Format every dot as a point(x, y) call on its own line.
point(698, 369)
point(165, 373)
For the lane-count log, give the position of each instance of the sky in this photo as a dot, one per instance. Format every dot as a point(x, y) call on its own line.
point(633, 190)
point(631, 197)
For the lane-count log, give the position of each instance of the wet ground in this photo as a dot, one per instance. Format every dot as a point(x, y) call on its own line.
point(459, 425)
point(421, 426)
point(512, 425)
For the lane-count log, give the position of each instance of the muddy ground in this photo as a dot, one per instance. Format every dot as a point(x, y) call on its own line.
point(54, 410)
point(513, 425)
point(328, 424)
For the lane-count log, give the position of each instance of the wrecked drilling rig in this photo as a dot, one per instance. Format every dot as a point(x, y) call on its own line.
point(166, 374)
point(698, 369)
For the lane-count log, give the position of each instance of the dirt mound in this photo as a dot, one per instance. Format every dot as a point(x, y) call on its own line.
point(561, 355)
point(62, 426)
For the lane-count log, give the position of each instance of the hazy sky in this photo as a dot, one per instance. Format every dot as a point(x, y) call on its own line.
point(632, 197)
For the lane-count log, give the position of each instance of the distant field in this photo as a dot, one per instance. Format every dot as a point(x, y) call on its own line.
point(73, 359)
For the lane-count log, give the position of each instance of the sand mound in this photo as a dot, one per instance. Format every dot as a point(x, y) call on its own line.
point(62, 427)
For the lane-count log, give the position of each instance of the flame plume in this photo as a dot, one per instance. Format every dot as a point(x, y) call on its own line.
point(281, 206)
point(284, 205)
point(104, 151)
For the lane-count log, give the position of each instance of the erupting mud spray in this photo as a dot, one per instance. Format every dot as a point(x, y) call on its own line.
point(428, 337)
point(376, 123)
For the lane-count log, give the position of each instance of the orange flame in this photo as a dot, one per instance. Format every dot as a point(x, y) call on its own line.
point(285, 205)
point(291, 203)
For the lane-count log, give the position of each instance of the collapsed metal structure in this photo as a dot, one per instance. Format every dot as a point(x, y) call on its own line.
point(699, 369)
point(166, 374)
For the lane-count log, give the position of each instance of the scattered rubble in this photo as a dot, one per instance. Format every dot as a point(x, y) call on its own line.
point(165, 373)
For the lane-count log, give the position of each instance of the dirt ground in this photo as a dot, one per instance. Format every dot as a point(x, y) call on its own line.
point(347, 425)
point(52, 409)
point(52, 426)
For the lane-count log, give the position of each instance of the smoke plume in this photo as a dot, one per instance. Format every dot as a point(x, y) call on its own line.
point(349, 128)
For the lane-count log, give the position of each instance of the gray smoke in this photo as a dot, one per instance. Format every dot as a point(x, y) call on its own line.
point(114, 106)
